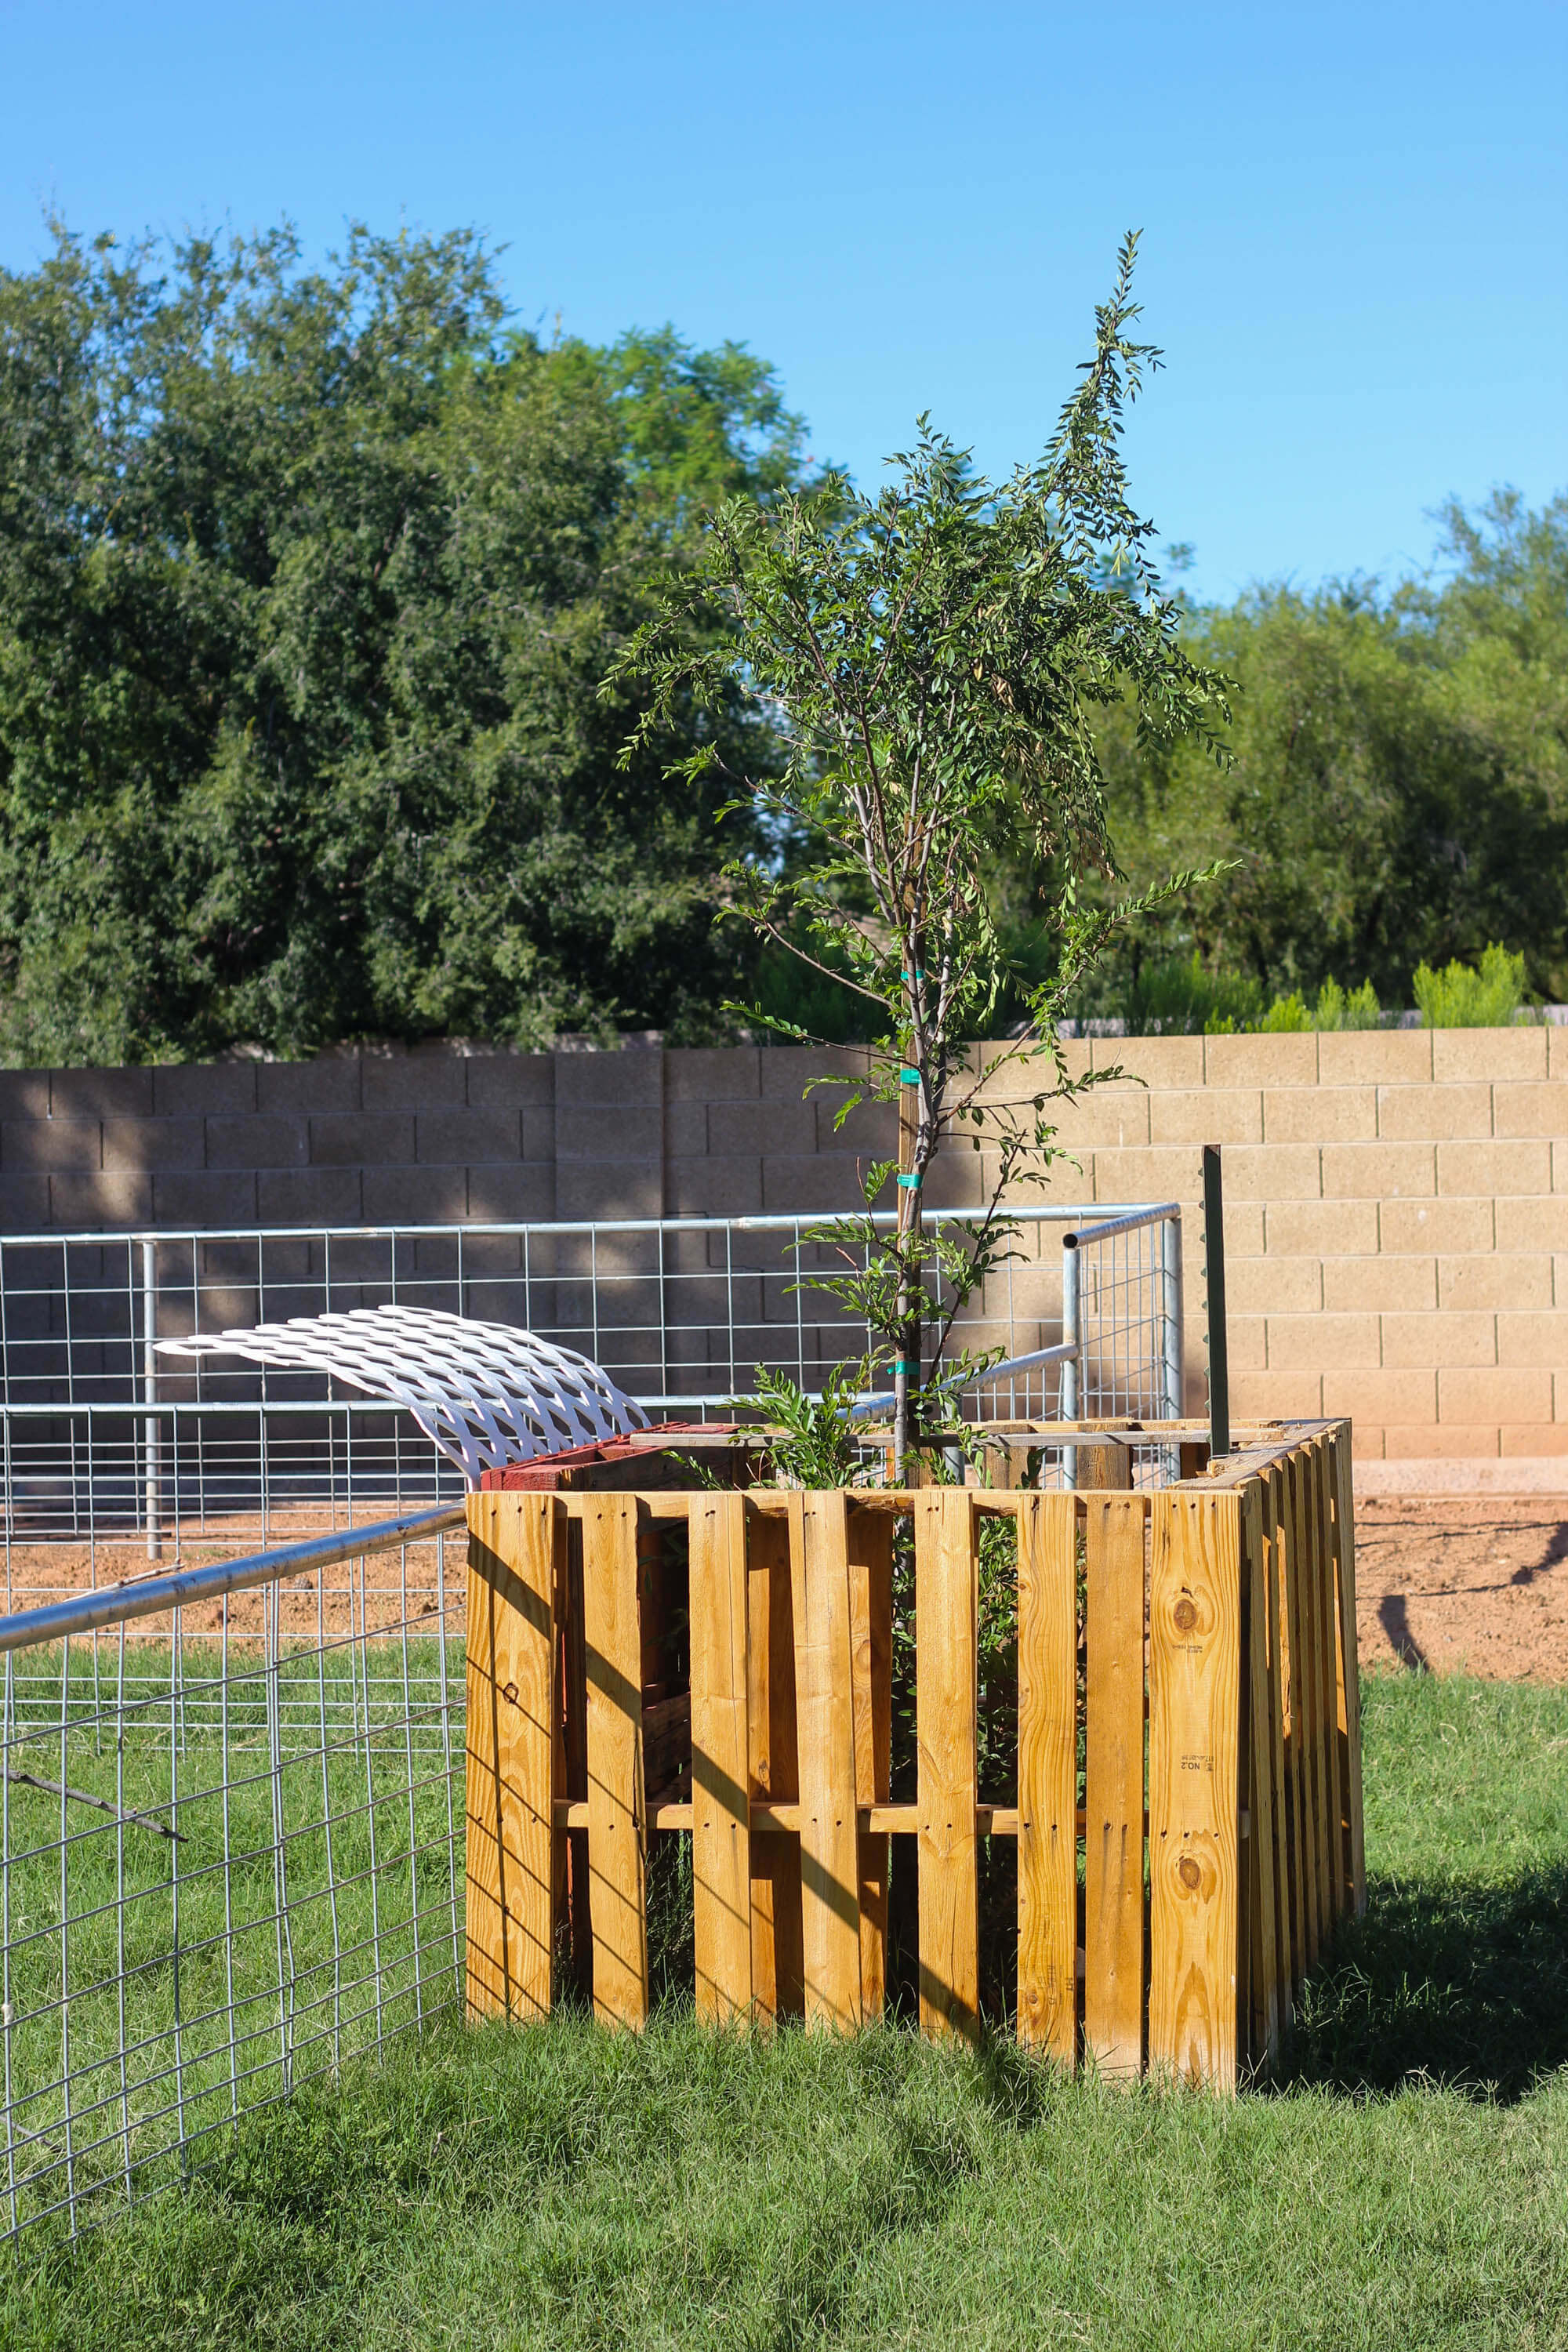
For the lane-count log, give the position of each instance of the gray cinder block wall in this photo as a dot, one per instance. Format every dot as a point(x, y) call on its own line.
point(1397, 1202)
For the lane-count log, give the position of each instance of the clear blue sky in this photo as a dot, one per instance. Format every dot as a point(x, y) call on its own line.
point(1353, 217)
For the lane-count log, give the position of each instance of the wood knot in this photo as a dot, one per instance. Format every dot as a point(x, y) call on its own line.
point(1188, 1872)
point(509, 1692)
point(1186, 1615)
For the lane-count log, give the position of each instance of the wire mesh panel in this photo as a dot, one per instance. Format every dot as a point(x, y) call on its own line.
point(112, 1455)
point(1122, 1312)
point(227, 1861)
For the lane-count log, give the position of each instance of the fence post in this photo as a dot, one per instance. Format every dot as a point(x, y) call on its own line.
point(1071, 1388)
point(1173, 1351)
point(151, 1501)
point(1214, 1277)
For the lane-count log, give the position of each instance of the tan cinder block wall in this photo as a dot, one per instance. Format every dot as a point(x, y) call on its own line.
point(1396, 1222)
point(1396, 1201)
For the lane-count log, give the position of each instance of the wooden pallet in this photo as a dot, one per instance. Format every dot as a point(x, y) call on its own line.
point(1187, 1807)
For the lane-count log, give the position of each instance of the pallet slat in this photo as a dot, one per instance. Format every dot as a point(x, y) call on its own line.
point(825, 1698)
point(1258, 1851)
point(1113, 1783)
point(515, 1562)
point(945, 1577)
point(1349, 1674)
point(720, 1769)
point(618, 1891)
point(1047, 1775)
point(1270, 1501)
point(777, 1985)
point(1303, 1706)
point(1193, 1722)
point(871, 1617)
point(1328, 1612)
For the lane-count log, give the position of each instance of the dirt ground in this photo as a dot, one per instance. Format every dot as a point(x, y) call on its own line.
point(1460, 1585)
point(384, 1592)
point(1464, 1585)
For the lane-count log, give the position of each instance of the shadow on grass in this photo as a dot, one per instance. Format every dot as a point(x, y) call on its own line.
point(1462, 1983)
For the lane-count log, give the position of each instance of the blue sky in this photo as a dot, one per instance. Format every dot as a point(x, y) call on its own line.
point(1353, 217)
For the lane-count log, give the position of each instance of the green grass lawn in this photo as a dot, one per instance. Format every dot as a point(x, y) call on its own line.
point(1406, 2183)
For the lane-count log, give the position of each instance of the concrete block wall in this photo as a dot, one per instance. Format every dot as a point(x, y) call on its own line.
point(1396, 1201)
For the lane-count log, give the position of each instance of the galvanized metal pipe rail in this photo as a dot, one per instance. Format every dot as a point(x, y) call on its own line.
point(116, 1604)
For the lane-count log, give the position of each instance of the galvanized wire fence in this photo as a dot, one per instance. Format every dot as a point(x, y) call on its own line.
point(231, 1796)
point(230, 1813)
point(110, 1456)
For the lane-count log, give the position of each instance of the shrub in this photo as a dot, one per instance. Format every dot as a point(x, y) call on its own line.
point(1462, 996)
point(1180, 997)
point(1357, 1009)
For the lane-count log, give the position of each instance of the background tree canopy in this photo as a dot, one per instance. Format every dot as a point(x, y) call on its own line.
point(307, 583)
point(1399, 789)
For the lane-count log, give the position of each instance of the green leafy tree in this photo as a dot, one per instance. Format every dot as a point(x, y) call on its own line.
point(1398, 787)
point(937, 656)
point(309, 579)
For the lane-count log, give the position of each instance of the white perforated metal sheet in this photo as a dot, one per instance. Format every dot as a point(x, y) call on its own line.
point(485, 1394)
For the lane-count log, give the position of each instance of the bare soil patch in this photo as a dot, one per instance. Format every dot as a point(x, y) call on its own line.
point(1455, 1584)
point(1473, 1585)
point(383, 1591)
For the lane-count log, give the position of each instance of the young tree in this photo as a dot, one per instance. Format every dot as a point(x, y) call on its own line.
point(935, 655)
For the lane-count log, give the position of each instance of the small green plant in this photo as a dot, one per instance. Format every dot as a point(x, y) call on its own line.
point(815, 1442)
point(1180, 997)
point(1338, 1009)
point(1287, 1016)
point(1464, 996)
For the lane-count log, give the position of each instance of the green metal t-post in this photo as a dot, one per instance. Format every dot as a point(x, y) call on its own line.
point(1214, 1271)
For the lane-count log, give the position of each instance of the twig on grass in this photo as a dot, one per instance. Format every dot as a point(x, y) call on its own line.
point(82, 1797)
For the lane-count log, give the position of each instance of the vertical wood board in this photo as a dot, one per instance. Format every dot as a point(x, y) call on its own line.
point(1327, 1584)
point(571, 1904)
point(1258, 1780)
point(1194, 1673)
point(777, 1987)
point(1113, 1782)
point(618, 1814)
point(1313, 1595)
point(945, 1575)
point(516, 1561)
point(1272, 1488)
point(721, 1771)
point(1348, 1661)
point(1047, 1774)
point(1303, 1704)
point(871, 1610)
point(825, 1700)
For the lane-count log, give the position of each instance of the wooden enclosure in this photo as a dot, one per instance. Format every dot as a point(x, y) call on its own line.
point(1186, 1799)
